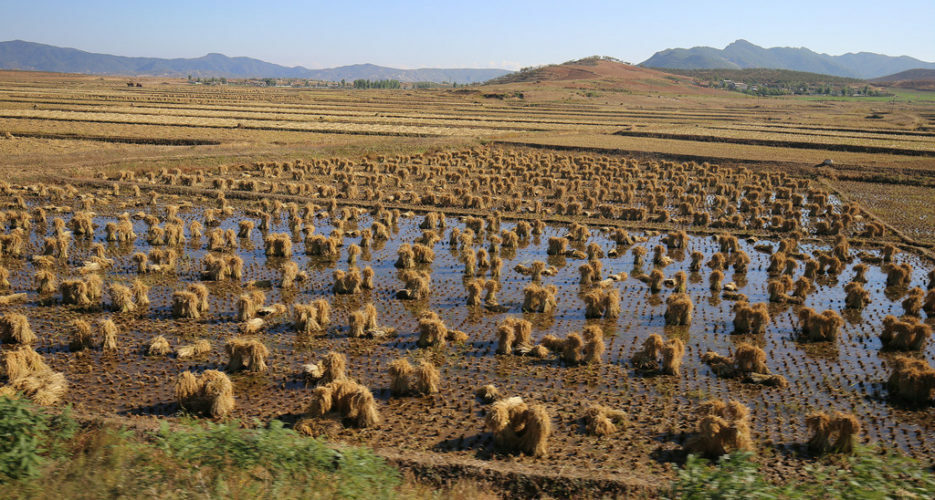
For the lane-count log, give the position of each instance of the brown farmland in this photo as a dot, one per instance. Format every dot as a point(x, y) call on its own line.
point(566, 240)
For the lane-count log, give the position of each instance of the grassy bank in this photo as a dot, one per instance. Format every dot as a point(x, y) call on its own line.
point(45, 455)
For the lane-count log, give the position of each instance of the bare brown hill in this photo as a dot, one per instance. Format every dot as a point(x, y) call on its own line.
point(918, 79)
point(602, 74)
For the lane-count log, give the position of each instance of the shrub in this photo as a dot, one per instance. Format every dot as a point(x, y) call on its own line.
point(283, 453)
point(734, 476)
point(28, 436)
point(870, 473)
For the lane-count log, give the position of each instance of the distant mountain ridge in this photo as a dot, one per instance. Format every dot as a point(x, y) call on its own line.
point(18, 54)
point(742, 54)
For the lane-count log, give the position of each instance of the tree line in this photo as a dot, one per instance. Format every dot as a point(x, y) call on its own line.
point(361, 83)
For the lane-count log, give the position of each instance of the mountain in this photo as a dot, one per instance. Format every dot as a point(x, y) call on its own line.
point(743, 54)
point(18, 54)
point(918, 79)
point(912, 74)
point(374, 72)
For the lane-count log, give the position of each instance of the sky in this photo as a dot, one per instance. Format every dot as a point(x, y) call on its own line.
point(477, 33)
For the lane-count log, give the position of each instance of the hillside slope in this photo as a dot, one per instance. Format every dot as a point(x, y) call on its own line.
point(743, 54)
point(599, 73)
point(918, 79)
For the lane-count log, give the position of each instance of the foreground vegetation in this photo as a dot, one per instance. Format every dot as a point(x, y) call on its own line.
point(870, 473)
point(45, 455)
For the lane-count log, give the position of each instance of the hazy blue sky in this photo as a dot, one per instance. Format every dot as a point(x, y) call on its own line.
point(476, 33)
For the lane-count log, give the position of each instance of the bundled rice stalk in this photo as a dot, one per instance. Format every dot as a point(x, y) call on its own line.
point(107, 332)
point(249, 303)
point(602, 420)
point(515, 336)
point(432, 331)
point(750, 319)
point(474, 289)
point(75, 292)
point(748, 362)
point(158, 346)
point(488, 393)
point(278, 245)
point(121, 298)
point(28, 374)
point(723, 428)
point(291, 273)
point(211, 394)
point(195, 350)
point(347, 282)
point(217, 268)
point(837, 433)
point(350, 399)
point(245, 353)
point(81, 337)
point(140, 293)
point(815, 327)
point(313, 317)
point(200, 291)
point(856, 298)
point(417, 285)
point(679, 308)
point(647, 358)
point(186, 305)
point(672, 354)
point(45, 282)
point(539, 299)
point(912, 304)
point(408, 380)
point(593, 344)
point(904, 335)
point(517, 427)
point(333, 367)
point(15, 329)
point(912, 380)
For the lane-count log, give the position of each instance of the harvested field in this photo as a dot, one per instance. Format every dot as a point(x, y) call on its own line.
point(909, 208)
point(614, 283)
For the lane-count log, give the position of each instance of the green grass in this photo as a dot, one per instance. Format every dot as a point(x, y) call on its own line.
point(900, 95)
point(871, 473)
point(46, 456)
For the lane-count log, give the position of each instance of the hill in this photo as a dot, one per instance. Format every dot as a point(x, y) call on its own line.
point(764, 81)
point(601, 73)
point(743, 54)
point(918, 79)
point(765, 75)
point(18, 54)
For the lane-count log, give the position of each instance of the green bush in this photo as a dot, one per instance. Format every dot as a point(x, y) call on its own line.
point(29, 435)
point(21, 435)
point(870, 473)
point(284, 455)
point(734, 476)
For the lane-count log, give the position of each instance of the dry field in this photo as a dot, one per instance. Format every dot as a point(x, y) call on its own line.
point(591, 279)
